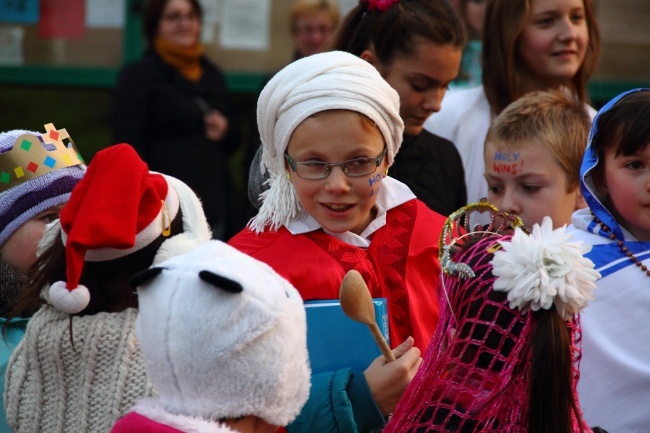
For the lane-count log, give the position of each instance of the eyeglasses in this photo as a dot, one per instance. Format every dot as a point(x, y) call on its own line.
point(177, 18)
point(356, 167)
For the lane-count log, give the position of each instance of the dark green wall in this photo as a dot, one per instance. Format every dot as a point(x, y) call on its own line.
point(83, 112)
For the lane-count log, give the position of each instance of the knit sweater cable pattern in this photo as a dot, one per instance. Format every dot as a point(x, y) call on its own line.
point(82, 381)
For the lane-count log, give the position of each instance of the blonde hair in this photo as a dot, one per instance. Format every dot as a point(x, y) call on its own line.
point(301, 8)
point(554, 120)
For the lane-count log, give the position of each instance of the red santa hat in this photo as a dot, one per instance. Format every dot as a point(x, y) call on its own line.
point(118, 208)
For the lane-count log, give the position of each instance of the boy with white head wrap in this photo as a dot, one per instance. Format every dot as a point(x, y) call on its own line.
point(330, 81)
point(320, 119)
point(119, 219)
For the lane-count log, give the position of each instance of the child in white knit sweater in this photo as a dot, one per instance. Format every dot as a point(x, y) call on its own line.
point(79, 367)
point(31, 196)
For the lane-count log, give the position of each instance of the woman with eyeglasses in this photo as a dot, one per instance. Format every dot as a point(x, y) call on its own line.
point(173, 107)
point(331, 127)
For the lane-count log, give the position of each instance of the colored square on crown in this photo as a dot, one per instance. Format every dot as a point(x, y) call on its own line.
point(49, 161)
point(67, 160)
point(19, 172)
point(25, 145)
point(54, 135)
point(32, 167)
point(4, 177)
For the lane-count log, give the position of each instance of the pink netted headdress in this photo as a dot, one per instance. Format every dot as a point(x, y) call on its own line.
point(478, 369)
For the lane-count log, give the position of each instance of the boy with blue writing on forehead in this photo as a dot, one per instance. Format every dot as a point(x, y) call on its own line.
point(532, 155)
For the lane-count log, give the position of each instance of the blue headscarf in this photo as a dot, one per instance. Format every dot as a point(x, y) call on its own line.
point(589, 162)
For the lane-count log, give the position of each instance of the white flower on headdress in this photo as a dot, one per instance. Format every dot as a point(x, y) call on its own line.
point(544, 269)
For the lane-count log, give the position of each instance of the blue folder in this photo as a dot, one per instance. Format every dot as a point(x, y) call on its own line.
point(335, 341)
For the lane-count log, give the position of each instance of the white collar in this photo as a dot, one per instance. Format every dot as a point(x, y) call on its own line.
point(391, 194)
point(583, 218)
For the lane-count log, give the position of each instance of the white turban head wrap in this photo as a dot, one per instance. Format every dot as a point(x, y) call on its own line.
point(329, 81)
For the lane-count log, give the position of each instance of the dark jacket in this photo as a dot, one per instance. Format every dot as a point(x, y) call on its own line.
point(160, 113)
point(431, 166)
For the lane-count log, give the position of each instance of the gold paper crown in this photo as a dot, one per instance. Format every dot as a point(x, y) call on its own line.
point(29, 158)
point(458, 230)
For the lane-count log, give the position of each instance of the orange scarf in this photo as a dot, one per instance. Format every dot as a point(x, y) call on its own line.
point(187, 61)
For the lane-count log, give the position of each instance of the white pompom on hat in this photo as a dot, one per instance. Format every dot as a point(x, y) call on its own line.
point(334, 80)
point(223, 336)
point(118, 208)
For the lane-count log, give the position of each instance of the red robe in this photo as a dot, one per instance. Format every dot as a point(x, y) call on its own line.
point(401, 264)
point(134, 422)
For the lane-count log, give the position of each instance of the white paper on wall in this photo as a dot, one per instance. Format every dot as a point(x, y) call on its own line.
point(211, 10)
point(211, 13)
point(11, 45)
point(346, 6)
point(245, 24)
point(105, 13)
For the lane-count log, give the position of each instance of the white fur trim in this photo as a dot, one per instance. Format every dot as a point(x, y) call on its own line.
point(180, 244)
point(195, 226)
point(142, 239)
point(194, 222)
point(151, 409)
point(69, 301)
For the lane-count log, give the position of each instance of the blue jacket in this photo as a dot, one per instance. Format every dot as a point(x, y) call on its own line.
point(339, 402)
point(8, 342)
point(615, 364)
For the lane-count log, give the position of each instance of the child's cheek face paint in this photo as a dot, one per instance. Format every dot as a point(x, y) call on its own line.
point(374, 182)
point(507, 163)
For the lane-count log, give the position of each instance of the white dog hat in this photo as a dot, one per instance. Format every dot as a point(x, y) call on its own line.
point(223, 336)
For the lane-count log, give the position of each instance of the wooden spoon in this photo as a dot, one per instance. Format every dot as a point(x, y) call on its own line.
point(356, 303)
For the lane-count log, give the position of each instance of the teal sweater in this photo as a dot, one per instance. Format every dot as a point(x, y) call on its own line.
point(339, 402)
point(8, 342)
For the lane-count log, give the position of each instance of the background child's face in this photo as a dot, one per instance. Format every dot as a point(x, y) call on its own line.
point(527, 181)
point(627, 187)
point(339, 203)
point(311, 31)
point(421, 80)
point(553, 44)
point(20, 249)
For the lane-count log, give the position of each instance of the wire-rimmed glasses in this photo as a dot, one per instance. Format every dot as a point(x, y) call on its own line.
point(356, 167)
